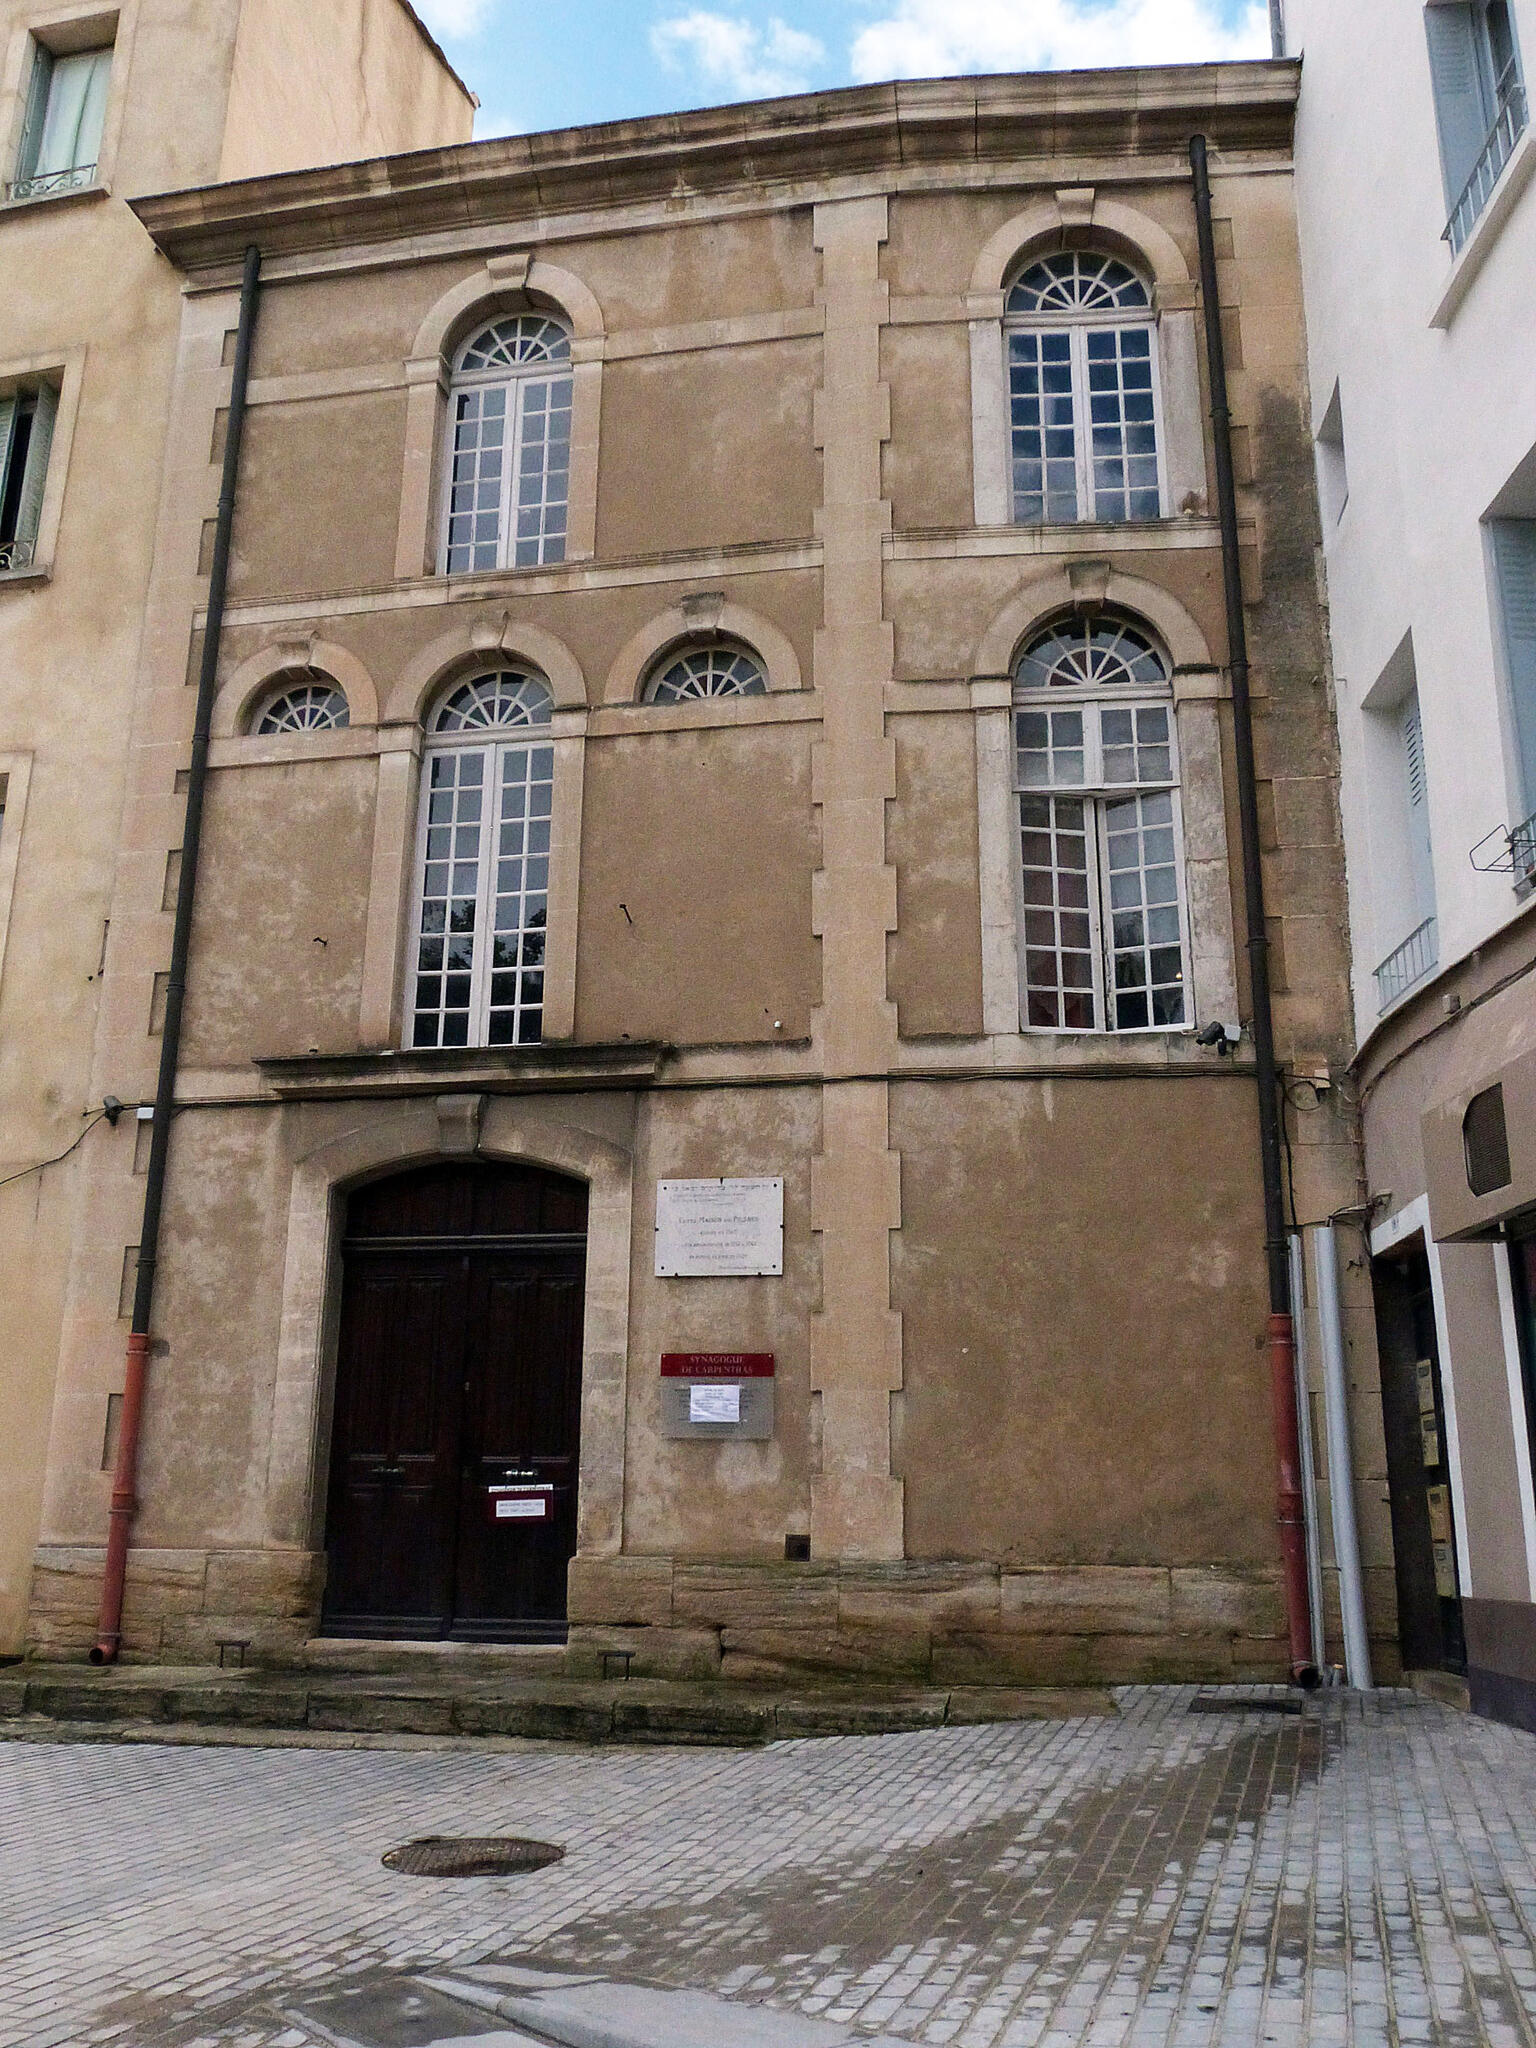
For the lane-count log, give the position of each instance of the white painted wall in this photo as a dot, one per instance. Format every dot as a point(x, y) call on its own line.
point(1438, 412)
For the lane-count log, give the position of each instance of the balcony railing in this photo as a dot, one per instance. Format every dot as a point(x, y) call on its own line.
point(1522, 852)
point(72, 180)
point(1513, 117)
point(1412, 960)
point(15, 554)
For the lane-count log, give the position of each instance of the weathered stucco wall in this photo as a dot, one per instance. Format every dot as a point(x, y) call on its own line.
point(716, 945)
point(1063, 1302)
point(352, 80)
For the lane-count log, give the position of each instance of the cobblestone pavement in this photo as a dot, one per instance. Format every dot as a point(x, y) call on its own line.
point(1363, 1872)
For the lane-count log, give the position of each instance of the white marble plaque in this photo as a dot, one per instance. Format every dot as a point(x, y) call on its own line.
point(719, 1227)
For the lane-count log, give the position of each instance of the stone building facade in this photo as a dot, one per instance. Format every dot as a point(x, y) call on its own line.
point(100, 104)
point(697, 707)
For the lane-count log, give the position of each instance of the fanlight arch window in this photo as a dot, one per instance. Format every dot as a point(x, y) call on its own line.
point(483, 865)
point(1103, 923)
point(1081, 342)
point(720, 668)
point(315, 704)
point(509, 456)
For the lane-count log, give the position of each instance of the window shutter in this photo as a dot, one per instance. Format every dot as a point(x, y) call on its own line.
point(1418, 812)
point(37, 112)
point(1514, 554)
point(7, 435)
point(1459, 109)
point(35, 476)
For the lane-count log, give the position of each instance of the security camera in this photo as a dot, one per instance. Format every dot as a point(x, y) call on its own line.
point(1222, 1036)
point(111, 1109)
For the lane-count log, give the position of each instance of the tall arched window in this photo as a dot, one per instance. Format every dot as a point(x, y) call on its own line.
point(509, 482)
point(484, 865)
point(1082, 391)
point(1104, 939)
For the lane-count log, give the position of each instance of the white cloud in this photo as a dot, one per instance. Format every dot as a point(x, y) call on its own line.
point(937, 38)
point(452, 19)
point(744, 61)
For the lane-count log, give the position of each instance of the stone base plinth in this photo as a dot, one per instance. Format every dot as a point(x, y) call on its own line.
point(897, 1622)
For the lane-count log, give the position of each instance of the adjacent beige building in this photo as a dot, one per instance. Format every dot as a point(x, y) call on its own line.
point(721, 853)
point(99, 105)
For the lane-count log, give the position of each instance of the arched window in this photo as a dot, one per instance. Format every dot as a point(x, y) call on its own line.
point(722, 668)
point(1104, 936)
point(483, 903)
point(1082, 391)
point(508, 491)
point(314, 705)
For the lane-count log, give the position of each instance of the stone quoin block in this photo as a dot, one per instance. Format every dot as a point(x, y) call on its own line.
point(1087, 1600)
point(267, 1582)
point(629, 1592)
point(755, 1596)
point(1247, 1603)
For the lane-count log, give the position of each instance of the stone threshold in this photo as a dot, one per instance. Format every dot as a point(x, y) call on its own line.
point(71, 1702)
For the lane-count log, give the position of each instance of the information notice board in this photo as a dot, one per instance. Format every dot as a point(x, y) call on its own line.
point(717, 1393)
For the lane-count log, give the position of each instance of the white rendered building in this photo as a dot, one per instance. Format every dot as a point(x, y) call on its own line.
point(1418, 234)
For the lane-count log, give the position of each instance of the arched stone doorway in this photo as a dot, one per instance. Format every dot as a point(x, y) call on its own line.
point(451, 1510)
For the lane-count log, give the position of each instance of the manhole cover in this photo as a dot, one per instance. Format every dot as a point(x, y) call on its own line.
point(470, 1856)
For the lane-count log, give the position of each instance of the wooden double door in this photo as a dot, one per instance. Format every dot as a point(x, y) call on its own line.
point(456, 1430)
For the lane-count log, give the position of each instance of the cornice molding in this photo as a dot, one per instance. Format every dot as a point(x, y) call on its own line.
point(1120, 115)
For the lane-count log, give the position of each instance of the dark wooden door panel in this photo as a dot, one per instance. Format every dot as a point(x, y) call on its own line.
point(458, 1369)
point(395, 1439)
point(522, 1426)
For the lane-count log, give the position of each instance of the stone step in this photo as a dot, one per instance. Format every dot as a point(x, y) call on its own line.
point(467, 1662)
point(78, 1699)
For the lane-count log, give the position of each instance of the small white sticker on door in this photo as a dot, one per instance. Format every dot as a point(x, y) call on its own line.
point(521, 1510)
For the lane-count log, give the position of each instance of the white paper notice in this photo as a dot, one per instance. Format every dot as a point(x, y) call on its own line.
point(706, 1227)
point(714, 1404)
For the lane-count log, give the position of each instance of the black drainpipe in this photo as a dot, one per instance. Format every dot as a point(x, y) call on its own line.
point(125, 1476)
point(1282, 1330)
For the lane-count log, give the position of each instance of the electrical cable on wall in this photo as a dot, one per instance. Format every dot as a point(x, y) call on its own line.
point(42, 1165)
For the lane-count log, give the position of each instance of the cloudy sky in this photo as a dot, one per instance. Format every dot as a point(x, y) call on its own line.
point(550, 63)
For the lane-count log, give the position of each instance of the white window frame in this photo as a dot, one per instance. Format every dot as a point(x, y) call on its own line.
point(552, 549)
point(27, 182)
point(1079, 323)
point(1096, 794)
point(496, 744)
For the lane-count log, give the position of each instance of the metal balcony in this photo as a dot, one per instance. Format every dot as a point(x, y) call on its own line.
point(1411, 961)
point(1513, 118)
point(73, 180)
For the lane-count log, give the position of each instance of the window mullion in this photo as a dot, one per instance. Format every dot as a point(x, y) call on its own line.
point(1082, 415)
point(485, 897)
point(511, 466)
point(1100, 911)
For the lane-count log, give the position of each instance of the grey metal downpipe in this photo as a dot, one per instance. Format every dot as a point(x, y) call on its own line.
point(1282, 1336)
point(125, 1475)
point(1341, 1463)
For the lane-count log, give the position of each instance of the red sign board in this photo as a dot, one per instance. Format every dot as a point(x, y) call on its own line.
point(717, 1365)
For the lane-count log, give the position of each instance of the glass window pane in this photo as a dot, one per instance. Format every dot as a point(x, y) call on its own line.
point(1058, 949)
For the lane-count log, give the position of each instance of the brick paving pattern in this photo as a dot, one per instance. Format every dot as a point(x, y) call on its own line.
point(1362, 1873)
